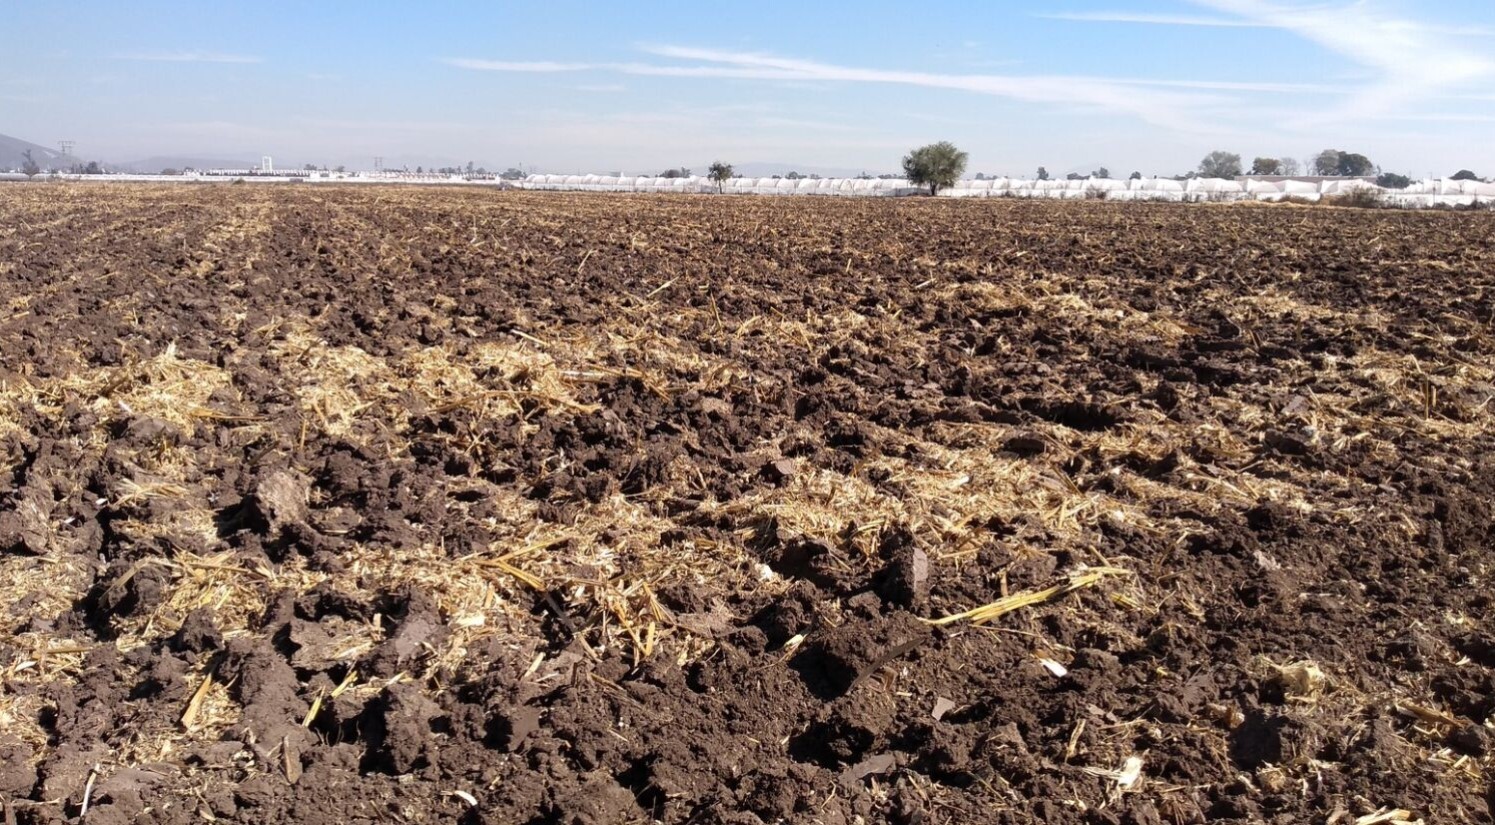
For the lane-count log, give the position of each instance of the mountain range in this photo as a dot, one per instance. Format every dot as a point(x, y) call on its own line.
point(12, 149)
point(12, 155)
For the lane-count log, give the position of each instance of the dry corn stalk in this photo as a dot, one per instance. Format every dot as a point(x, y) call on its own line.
point(1428, 715)
point(1389, 816)
point(1081, 579)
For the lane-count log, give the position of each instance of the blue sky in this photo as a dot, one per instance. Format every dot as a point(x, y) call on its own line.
point(569, 86)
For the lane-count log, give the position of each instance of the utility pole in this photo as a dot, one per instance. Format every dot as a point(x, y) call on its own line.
point(66, 146)
point(378, 163)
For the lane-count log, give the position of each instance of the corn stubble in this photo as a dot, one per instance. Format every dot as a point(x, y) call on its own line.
point(339, 503)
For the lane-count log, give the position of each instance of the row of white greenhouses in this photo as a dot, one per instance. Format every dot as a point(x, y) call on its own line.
point(1433, 192)
point(740, 186)
point(1424, 193)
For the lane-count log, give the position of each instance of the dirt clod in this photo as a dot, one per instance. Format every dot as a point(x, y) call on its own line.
point(838, 659)
point(281, 500)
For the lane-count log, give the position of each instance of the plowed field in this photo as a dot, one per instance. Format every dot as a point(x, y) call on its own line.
point(349, 505)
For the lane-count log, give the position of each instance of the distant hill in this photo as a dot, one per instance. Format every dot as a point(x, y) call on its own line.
point(152, 165)
point(12, 149)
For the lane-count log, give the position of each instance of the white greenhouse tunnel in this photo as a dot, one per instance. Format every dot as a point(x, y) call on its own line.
point(1436, 192)
point(1424, 193)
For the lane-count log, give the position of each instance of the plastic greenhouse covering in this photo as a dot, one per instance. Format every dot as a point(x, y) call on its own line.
point(1434, 192)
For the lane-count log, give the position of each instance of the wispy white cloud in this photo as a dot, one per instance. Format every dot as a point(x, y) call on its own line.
point(600, 87)
point(988, 62)
point(1440, 117)
point(1149, 18)
point(191, 57)
point(1239, 86)
point(1146, 18)
point(1405, 60)
point(1400, 62)
point(540, 66)
point(643, 69)
point(1155, 105)
point(1411, 59)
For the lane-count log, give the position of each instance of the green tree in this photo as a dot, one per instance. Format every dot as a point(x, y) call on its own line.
point(936, 166)
point(93, 168)
point(29, 167)
point(170, 171)
point(1463, 174)
point(1103, 173)
point(1337, 162)
point(1391, 180)
point(1266, 166)
point(309, 167)
point(1354, 165)
point(720, 173)
point(1135, 176)
point(1220, 164)
point(1043, 174)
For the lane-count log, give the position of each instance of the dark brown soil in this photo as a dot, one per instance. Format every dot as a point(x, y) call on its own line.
point(353, 505)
